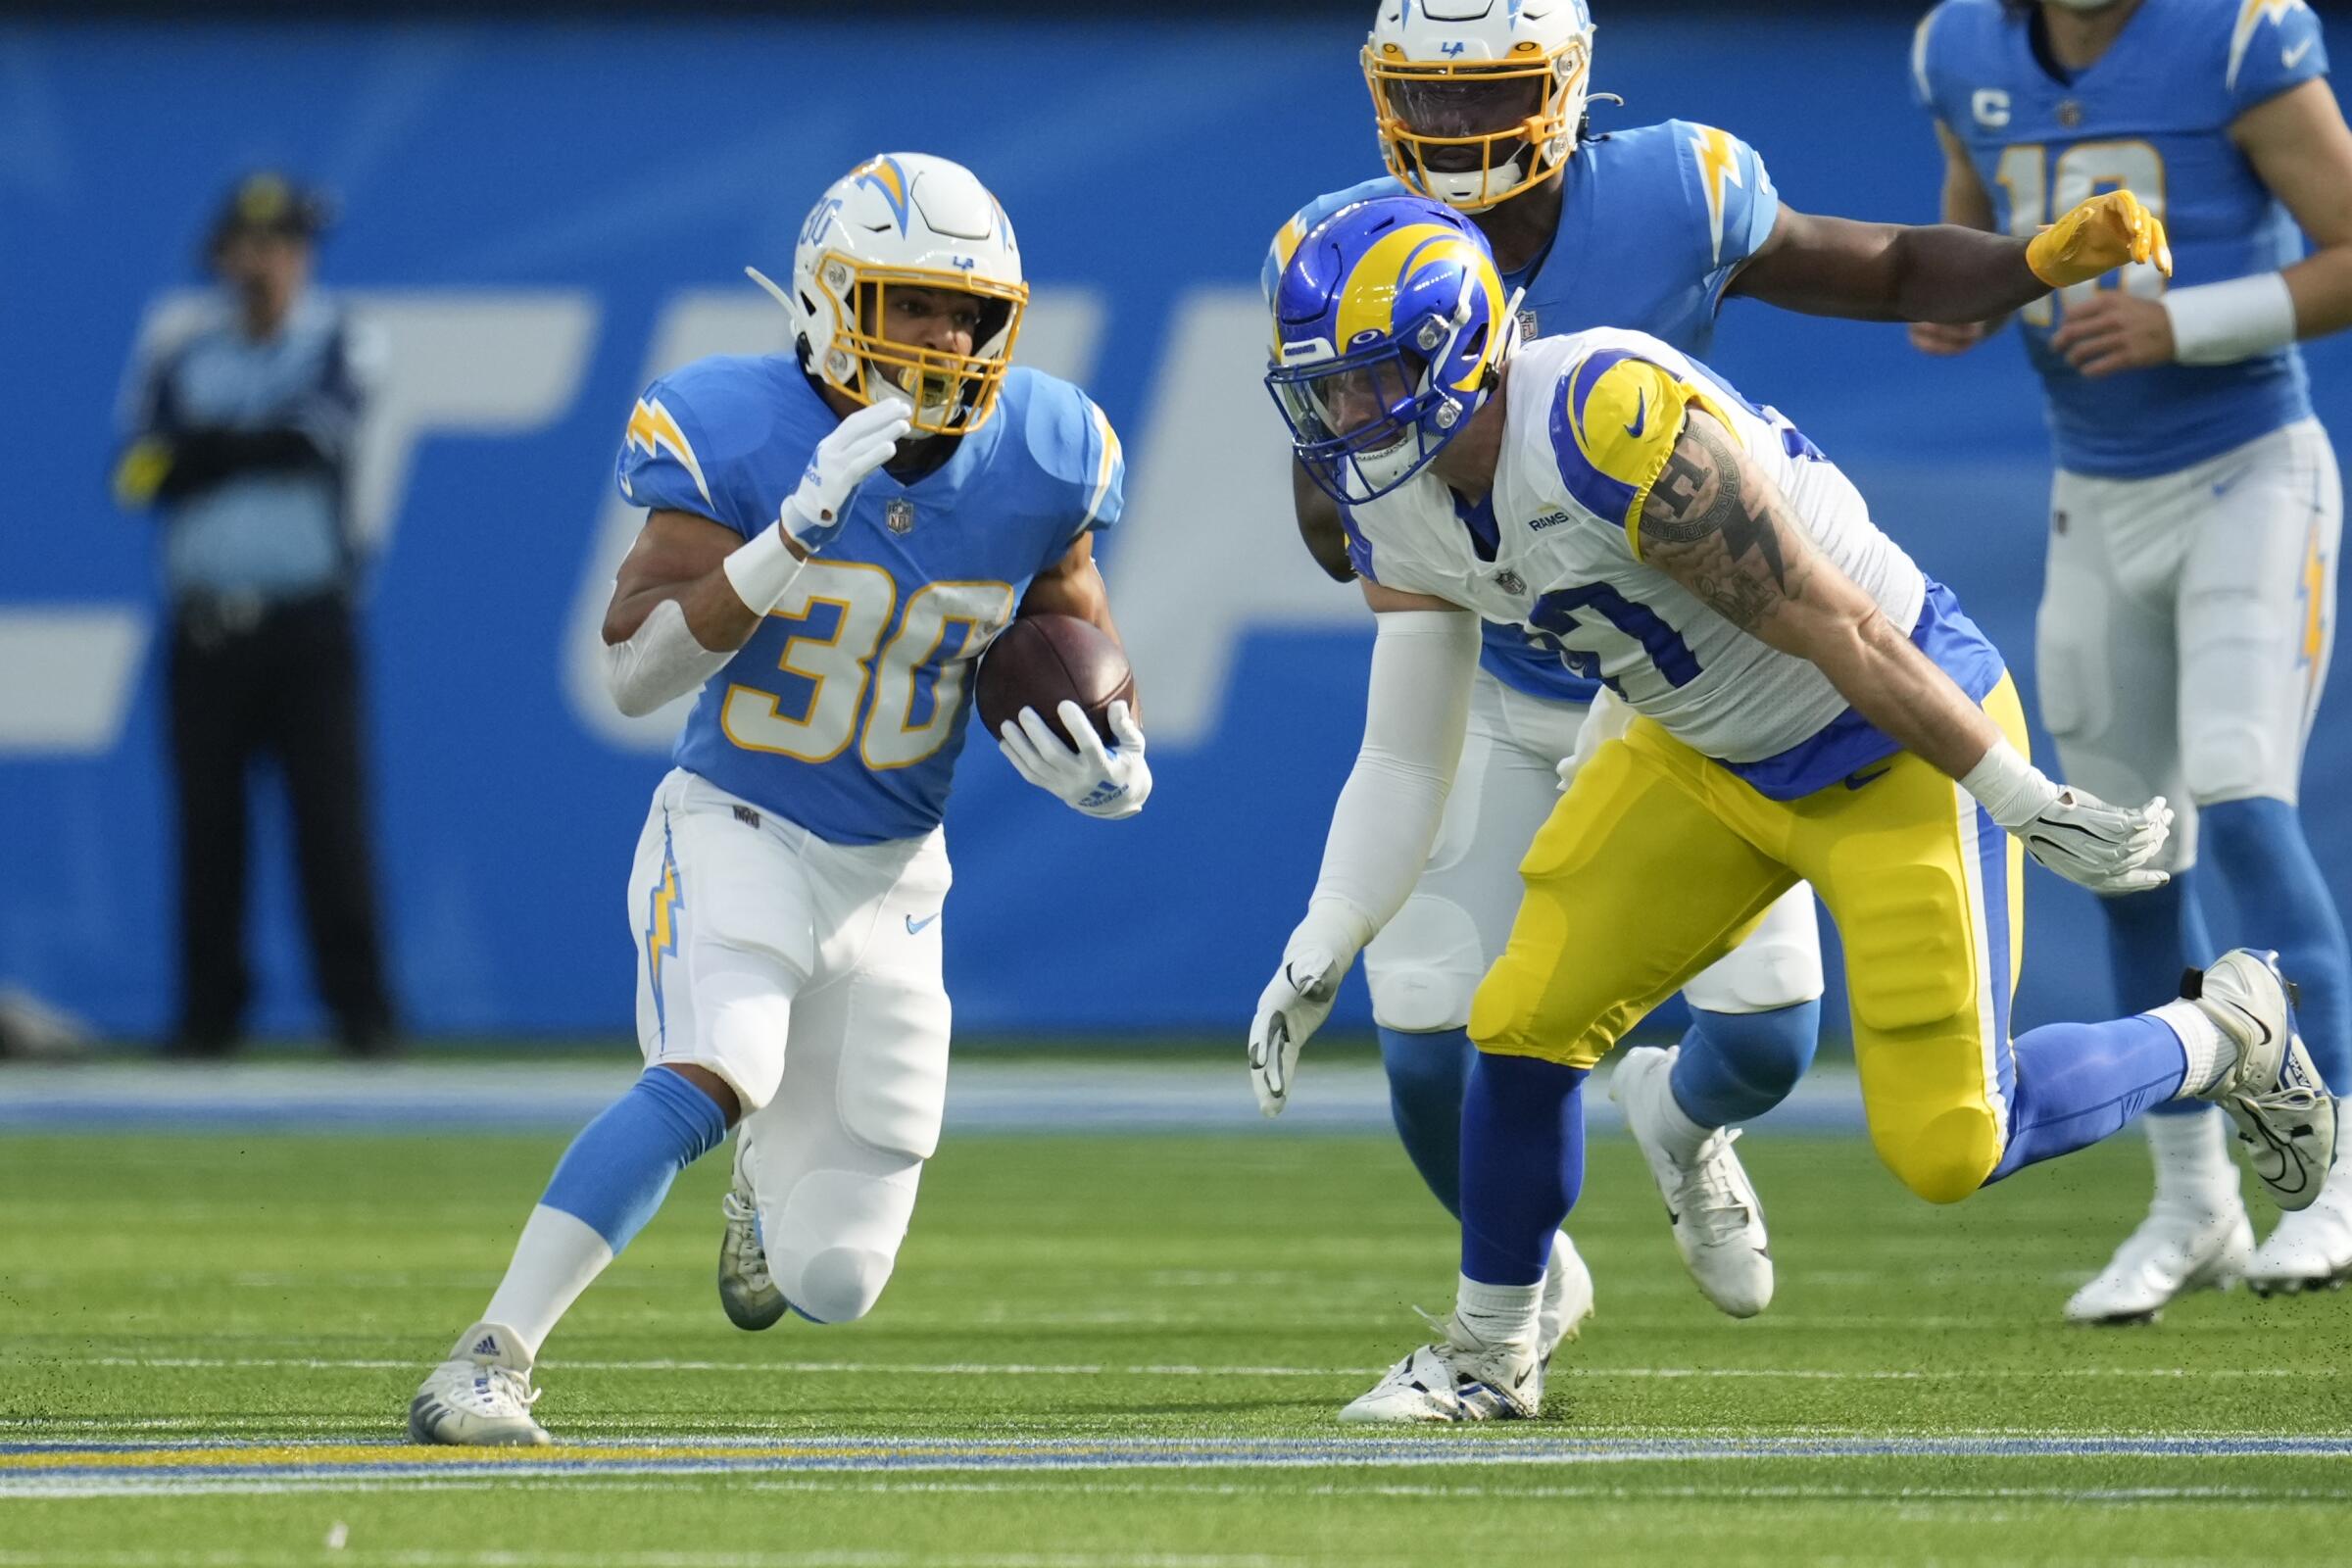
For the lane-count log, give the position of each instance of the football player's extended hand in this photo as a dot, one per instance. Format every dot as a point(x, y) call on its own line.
point(2113, 332)
point(2097, 235)
point(1292, 1007)
point(2104, 848)
point(857, 446)
point(1107, 782)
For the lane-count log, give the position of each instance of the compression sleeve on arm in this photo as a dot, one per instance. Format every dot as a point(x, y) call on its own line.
point(661, 661)
point(1388, 813)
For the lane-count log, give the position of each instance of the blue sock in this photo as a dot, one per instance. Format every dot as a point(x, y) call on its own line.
point(1523, 1164)
point(618, 1171)
point(2078, 1082)
point(1735, 1066)
point(2151, 938)
point(1426, 1074)
point(2258, 850)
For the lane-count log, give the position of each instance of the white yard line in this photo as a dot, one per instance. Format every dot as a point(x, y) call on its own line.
point(1078, 1369)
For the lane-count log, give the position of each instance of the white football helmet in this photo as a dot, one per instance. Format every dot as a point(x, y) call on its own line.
point(906, 220)
point(1477, 101)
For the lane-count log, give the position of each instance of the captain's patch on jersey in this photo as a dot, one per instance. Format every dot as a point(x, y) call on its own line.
point(1615, 426)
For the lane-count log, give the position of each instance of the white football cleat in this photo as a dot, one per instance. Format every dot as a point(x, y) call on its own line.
point(1718, 1220)
point(746, 1289)
point(2274, 1093)
point(1567, 1304)
point(481, 1396)
point(2175, 1250)
point(1457, 1381)
point(2310, 1250)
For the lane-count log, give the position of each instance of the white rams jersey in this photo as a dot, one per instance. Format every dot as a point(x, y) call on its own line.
point(1591, 421)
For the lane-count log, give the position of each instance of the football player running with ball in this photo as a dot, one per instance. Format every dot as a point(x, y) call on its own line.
point(2188, 609)
point(1810, 706)
point(833, 535)
point(1480, 105)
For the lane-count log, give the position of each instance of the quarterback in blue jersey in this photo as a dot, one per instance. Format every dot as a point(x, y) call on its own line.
point(2188, 608)
point(833, 535)
point(1482, 104)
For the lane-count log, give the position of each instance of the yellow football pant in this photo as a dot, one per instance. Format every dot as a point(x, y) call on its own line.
point(1657, 862)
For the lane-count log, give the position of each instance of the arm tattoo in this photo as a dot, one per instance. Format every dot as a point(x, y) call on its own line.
point(1733, 543)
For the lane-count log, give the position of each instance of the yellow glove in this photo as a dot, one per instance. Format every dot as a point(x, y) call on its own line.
point(142, 473)
point(2109, 230)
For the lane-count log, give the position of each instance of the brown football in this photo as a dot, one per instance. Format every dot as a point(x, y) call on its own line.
point(1042, 662)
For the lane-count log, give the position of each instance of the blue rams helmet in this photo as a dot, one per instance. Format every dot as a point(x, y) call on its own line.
point(1390, 323)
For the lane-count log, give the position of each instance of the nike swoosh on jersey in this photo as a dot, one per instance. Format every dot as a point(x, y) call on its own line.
point(915, 927)
point(1855, 780)
point(2289, 57)
point(1640, 415)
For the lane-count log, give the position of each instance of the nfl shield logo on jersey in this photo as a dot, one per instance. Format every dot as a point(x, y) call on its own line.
point(1510, 582)
point(899, 514)
point(1527, 323)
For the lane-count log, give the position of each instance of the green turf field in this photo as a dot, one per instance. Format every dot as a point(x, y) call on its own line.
point(1075, 1325)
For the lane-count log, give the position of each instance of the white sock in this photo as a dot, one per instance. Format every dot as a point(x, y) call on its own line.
point(556, 1257)
point(1676, 1133)
point(2210, 1054)
point(1498, 1314)
point(2193, 1162)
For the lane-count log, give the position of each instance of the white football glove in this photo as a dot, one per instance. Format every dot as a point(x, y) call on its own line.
point(1292, 1007)
point(858, 444)
point(1106, 782)
point(2072, 831)
point(2104, 848)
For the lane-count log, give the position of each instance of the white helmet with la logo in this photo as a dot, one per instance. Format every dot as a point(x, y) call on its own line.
point(906, 220)
point(1477, 101)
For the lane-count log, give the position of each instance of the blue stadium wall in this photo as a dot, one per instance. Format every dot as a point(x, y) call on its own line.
point(545, 211)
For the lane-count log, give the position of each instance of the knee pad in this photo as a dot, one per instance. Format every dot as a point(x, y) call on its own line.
point(1778, 966)
point(1944, 1157)
point(1760, 1054)
point(1424, 967)
point(839, 1284)
point(2234, 758)
point(834, 1238)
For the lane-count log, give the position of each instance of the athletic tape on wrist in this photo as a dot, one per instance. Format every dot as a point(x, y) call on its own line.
point(762, 568)
point(2221, 323)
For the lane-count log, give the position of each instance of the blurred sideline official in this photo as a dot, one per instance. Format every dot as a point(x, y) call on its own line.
point(240, 435)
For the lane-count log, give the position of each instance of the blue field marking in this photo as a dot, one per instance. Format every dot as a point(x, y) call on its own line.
point(88, 1469)
point(1004, 1096)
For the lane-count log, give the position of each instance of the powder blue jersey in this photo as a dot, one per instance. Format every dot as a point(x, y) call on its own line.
point(846, 710)
point(2151, 114)
point(1653, 222)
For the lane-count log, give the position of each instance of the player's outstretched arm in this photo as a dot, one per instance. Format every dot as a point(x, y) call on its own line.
point(1946, 272)
point(1717, 524)
point(1382, 828)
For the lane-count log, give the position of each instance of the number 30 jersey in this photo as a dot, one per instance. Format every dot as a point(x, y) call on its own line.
point(1591, 421)
point(2153, 115)
point(846, 710)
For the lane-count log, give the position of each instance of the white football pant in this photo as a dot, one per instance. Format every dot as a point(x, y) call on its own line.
point(807, 974)
point(2186, 623)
